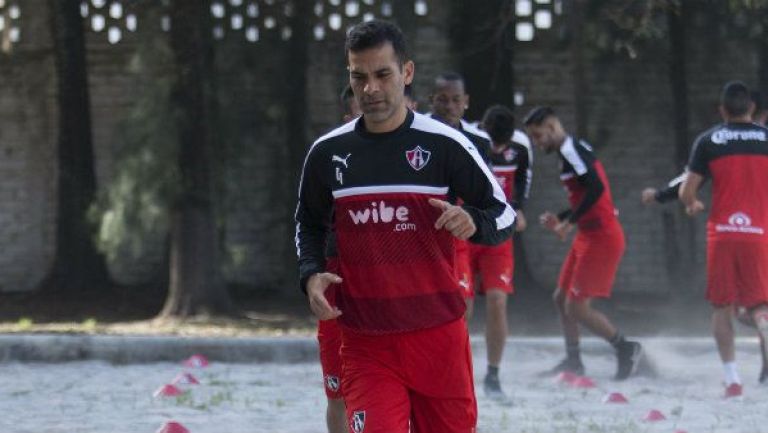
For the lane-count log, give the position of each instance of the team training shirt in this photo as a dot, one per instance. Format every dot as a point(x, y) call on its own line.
point(512, 168)
point(398, 271)
point(735, 156)
point(588, 190)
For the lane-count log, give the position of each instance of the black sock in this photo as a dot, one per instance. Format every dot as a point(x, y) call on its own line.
point(573, 352)
point(493, 371)
point(617, 340)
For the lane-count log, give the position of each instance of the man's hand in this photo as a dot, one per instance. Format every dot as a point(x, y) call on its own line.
point(454, 219)
point(316, 287)
point(549, 220)
point(648, 196)
point(562, 229)
point(521, 222)
point(694, 208)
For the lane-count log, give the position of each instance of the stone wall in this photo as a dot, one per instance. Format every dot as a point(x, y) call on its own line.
point(628, 116)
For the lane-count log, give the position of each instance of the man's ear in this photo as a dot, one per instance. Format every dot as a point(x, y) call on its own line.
point(408, 70)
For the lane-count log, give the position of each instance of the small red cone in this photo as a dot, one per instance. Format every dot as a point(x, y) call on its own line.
point(185, 379)
point(583, 382)
point(172, 427)
point(654, 415)
point(168, 391)
point(615, 397)
point(566, 377)
point(196, 361)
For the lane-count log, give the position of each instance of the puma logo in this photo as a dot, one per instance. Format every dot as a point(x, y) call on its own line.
point(337, 158)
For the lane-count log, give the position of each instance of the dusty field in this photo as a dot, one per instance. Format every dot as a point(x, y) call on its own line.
point(96, 397)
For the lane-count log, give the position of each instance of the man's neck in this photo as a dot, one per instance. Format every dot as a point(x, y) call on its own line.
point(739, 119)
point(390, 124)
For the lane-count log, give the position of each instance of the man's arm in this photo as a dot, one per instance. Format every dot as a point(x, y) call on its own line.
point(593, 190)
point(688, 193)
point(313, 213)
point(523, 176)
point(484, 200)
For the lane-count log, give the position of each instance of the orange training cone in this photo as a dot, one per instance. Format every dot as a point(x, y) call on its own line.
point(172, 427)
point(168, 391)
point(566, 377)
point(583, 382)
point(654, 415)
point(196, 361)
point(615, 397)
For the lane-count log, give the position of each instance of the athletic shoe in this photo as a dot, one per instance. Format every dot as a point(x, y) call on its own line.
point(492, 388)
point(763, 375)
point(628, 358)
point(733, 390)
point(570, 365)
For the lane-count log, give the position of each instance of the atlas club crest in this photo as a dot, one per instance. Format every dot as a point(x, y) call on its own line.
point(417, 157)
point(358, 421)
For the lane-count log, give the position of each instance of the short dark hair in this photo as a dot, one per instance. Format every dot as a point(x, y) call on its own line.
point(449, 76)
point(373, 34)
point(538, 115)
point(499, 123)
point(735, 98)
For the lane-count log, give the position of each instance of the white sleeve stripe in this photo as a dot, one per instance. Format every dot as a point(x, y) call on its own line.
point(679, 179)
point(422, 123)
point(343, 129)
point(568, 150)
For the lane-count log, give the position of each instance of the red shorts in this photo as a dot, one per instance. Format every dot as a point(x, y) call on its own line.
point(463, 269)
point(737, 273)
point(329, 338)
point(417, 381)
point(495, 264)
point(590, 267)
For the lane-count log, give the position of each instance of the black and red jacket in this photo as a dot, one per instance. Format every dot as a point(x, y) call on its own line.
point(735, 157)
point(372, 190)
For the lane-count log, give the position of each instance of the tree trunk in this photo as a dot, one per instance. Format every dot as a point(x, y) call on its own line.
point(487, 40)
point(77, 264)
point(196, 285)
point(578, 41)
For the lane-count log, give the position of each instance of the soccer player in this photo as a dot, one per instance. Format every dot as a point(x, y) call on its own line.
point(384, 182)
point(590, 267)
point(449, 102)
point(735, 156)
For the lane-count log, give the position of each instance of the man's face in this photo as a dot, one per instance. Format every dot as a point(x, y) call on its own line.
point(449, 101)
point(378, 82)
point(543, 135)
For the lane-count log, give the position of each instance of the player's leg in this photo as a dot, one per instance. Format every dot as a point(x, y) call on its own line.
point(442, 394)
point(760, 317)
point(496, 330)
point(594, 274)
point(470, 302)
point(376, 397)
point(572, 362)
point(744, 316)
point(722, 280)
point(335, 416)
point(495, 266)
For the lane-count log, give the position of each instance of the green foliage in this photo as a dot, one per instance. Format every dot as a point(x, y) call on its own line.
point(134, 207)
point(624, 27)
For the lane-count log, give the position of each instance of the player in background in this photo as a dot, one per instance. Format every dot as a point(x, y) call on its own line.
point(384, 182)
point(672, 191)
point(590, 268)
point(734, 155)
point(510, 158)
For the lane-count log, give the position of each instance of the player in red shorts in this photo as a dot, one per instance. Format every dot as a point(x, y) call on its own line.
point(590, 267)
point(384, 182)
point(734, 155)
